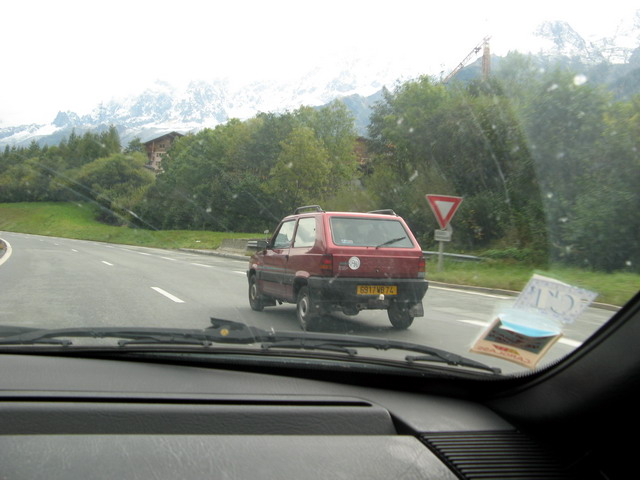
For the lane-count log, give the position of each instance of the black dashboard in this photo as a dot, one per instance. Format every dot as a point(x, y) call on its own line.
point(64, 417)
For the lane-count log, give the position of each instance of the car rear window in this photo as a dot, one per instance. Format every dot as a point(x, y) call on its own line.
point(369, 232)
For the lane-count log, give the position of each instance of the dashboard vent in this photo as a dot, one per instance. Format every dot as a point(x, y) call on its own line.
point(494, 455)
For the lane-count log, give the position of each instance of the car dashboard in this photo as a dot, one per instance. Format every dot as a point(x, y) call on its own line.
point(71, 417)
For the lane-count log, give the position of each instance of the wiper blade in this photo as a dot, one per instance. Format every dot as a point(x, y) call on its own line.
point(389, 242)
point(37, 336)
point(230, 332)
point(451, 359)
point(304, 344)
point(236, 332)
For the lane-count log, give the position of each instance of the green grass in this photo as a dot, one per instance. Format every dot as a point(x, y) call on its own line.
point(76, 220)
point(612, 288)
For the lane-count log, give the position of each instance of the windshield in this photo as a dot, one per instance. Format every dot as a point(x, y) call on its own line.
point(359, 232)
point(469, 175)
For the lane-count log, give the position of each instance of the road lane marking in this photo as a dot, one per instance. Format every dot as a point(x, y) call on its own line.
point(569, 342)
point(238, 271)
point(167, 258)
point(74, 250)
point(167, 294)
point(7, 252)
point(144, 253)
point(201, 265)
point(477, 323)
point(107, 263)
point(482, 294)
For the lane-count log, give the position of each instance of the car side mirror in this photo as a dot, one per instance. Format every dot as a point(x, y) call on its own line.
point(262, 244)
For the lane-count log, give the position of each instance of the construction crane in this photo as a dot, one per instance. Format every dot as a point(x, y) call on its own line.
point(486, 60)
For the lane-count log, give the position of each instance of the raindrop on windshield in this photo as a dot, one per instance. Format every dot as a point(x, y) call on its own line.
point(579, 79)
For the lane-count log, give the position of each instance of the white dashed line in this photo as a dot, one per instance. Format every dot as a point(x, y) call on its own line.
point(167, 294)
point(107, 263)
point(167, 258)
point(202, 265)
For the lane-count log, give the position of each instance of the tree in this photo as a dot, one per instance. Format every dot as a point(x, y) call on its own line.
point(135, 145)
point(116, 183)
point(302, 173)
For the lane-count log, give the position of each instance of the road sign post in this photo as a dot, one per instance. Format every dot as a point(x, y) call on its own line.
point(444, 208)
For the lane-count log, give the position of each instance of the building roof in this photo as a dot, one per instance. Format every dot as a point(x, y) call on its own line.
point(171, 135)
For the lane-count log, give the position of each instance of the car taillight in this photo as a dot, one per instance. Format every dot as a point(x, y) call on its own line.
point(422, 267)
point(326, 264)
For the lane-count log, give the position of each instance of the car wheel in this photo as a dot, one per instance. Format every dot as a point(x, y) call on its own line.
point(399, 316)
point(255, 299)
point(306, 317)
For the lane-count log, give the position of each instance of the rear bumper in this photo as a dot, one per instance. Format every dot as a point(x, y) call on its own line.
point(332, 293)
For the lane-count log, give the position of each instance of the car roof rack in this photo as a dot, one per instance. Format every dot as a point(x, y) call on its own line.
point(386, 211)
point(315, 208)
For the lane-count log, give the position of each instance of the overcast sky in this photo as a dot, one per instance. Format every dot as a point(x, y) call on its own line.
point(70, 55)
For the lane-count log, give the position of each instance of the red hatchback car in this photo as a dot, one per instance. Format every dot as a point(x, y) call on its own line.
point(340, 261)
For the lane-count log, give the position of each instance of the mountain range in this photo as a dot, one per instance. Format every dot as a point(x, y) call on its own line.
point(162, 107)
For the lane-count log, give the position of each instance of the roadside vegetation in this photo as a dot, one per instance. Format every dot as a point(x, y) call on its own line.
point(78, 220)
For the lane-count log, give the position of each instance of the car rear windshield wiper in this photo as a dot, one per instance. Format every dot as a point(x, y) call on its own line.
point(389, 242)
point(230, 332)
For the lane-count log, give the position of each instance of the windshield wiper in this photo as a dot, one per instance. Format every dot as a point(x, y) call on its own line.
point(235, 332)
point(133, 335)
point(389, 242)
point(230, 332)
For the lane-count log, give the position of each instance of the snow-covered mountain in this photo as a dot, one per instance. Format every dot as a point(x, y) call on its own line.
point(163, 107)
point(559, 39)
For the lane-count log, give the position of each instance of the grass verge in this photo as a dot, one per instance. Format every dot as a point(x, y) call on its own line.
point(76, 220)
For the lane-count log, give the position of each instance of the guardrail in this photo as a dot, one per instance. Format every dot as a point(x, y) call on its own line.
point(454, 256)
point(253, 246)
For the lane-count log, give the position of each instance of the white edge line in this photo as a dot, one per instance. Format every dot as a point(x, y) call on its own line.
point(502, 297)
point(167, 294)
point(7, 253)
point(569, 342)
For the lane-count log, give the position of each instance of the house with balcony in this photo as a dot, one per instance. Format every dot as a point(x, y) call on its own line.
point(158, 147)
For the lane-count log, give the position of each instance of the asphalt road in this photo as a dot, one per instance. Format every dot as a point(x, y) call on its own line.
point(55, 283)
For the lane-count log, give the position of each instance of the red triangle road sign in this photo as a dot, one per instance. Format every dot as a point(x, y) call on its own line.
point(444, 207)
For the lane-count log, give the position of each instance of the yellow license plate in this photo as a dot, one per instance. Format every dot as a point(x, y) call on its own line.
point(377, 289)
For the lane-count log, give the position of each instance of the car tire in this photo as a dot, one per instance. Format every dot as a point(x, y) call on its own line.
point(306, 317)
point(399, 316)
point(255, 298)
